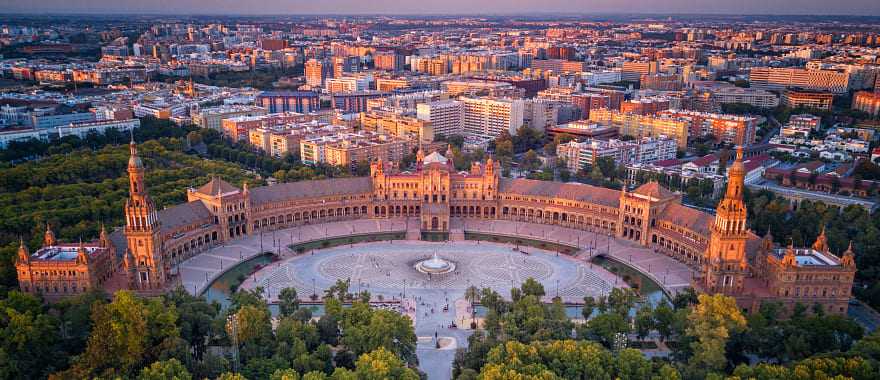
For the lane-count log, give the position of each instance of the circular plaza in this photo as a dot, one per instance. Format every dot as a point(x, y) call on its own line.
point(389, 269)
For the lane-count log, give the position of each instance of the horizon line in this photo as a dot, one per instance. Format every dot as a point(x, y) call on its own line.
point(567, 14)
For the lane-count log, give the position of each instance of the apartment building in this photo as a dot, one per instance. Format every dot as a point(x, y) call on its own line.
point(349, 149)
point(213, 117)
point(488, 118)
point(578, 155)
point(633, 70)
point(481, 88)
point(640, 126)
point(799, 98)
point(408, 101)
point(281, 140)
point(348, 83)
point(729, 129)
point(446, 116)
point(867, 102)
point(83, 129)
point(751, 96)
point(775, 78)
point(289, 101)
point(237, 128)
point(395, 124)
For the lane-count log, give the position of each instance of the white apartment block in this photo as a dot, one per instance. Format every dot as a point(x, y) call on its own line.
point(772, 78)
point(751, 96)
point(82, 130)
point(484, 117)
point(446, 116)
point(593, 78)
point(348, 84)
point(213, 117)
point(578, 155)
point(540, 114)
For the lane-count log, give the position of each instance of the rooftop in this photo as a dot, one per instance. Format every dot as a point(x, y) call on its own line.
point(63, 252)
point(808, 257)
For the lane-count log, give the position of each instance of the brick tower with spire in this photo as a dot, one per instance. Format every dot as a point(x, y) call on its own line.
point(144, 262)
point(724, 266)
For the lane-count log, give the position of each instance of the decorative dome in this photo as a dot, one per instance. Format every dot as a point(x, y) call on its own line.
point(134, 161)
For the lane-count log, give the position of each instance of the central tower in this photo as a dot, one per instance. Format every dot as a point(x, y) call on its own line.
point(724, 264)
point(144, 263)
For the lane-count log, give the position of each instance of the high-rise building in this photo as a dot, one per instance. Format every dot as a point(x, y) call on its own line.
point(540, 114)
point(661, 82)
point(867, 102)
point(587, 102)
point(488, 118)
point(389, 61)
point(342, 65)
point(316, 72)
point(559, 65)
point(645, 106)
point(348, 83)
point(446, 116)
point(355, 101)
point(633, 70)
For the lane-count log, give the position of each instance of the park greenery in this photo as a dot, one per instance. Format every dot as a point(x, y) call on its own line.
point(178, 336)
point(709, 338)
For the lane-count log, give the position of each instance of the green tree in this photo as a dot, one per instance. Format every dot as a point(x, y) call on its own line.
point(664, 318)
point(284, 374)
point(532, 288)
point(605, 327)
point(530, 161)
point(589, 306)
point(128, 333)
point(196, 318)
point(711, 322)
point(288, 301)
point(644, 321)
point(231, 376)
point(171, 369)
point(28, 338)
point(382, 364)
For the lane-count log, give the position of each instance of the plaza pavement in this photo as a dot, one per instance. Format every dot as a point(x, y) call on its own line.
point(672, 275)
point(197, 272)
point(425, 304)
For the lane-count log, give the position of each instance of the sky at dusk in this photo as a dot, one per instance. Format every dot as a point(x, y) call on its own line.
point(815, 7)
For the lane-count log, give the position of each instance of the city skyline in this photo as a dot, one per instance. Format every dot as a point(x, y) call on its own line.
point(456, 7)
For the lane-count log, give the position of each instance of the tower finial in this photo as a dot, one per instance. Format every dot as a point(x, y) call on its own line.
point(49, 237)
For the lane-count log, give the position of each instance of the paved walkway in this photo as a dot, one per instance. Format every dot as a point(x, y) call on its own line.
point(386, 270)
point(199, 271)
point(666, 271)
